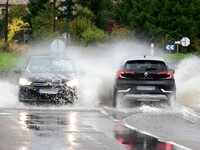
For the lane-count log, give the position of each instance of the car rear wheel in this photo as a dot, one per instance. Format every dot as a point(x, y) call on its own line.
point(114, 100)
point(171, 98)
point(119, 101)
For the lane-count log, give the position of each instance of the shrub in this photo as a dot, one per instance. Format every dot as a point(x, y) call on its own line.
point(121, 33)
point(85, 31)
point(93, 35)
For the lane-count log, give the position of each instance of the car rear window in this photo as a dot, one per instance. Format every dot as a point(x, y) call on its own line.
point(141, 65)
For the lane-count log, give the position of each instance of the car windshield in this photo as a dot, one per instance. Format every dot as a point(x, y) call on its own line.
point(46, 65)
point(142, 65)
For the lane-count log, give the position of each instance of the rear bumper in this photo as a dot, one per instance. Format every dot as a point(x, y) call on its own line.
point(161, 89)
point(146, 97)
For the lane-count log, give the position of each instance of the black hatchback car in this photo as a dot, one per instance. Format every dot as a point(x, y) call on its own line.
point(48, 79)
point(144, 79)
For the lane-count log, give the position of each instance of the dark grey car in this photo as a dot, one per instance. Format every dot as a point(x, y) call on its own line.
point(48, 79)
point(144, 79)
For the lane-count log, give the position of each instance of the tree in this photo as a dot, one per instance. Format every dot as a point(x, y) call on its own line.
point(154, 20)
point(42, 23)
point(17, 11)
point(61, 9)
point(80, 11)
point(36, 6)
point(101, 9)
point(15, 26)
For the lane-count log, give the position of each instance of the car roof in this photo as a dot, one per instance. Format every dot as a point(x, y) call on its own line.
point(144, 57)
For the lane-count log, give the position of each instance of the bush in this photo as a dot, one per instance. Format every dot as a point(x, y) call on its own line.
point(14, 48)
point(196, 46)
point(121, 33)
point(85, 31)
point(17, 48)
point(93, 35)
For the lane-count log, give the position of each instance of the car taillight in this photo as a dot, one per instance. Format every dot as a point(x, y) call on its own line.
point(121, 73)
point(169, 75)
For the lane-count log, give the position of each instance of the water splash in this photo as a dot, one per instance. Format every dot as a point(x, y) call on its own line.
point(187, 81)
point(8, 96)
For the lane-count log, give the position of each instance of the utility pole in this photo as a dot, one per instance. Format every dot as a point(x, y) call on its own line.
point(67, 19)
point(54, 16)
point(6, 24)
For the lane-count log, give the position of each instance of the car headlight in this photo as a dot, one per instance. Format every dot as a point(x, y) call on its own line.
point(72, 83)
point(23, 81)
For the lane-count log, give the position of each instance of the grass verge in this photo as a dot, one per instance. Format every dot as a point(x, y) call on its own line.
point(7, 61)
point(179, 56)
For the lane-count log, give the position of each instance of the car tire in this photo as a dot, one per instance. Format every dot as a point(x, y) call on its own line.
point(118, 100)
point(171, 98)
point(114, 101)
point(21, 96)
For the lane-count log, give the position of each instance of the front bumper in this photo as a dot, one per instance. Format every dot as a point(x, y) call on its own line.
point(35, 94)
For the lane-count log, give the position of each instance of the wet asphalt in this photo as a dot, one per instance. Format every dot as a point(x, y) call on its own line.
point(68, 128)
point(56, 130)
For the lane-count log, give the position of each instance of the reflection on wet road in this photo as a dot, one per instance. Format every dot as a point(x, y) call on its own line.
point(178, 126)
point(134, 140)
point(55, 129)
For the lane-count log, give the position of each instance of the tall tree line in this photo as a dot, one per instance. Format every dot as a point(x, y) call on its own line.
point(151, 20)
point(158, 20)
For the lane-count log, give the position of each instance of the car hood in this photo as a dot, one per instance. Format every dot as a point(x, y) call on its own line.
point(48, 77)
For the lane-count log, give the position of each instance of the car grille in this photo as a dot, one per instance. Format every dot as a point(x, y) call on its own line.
point(44, 84)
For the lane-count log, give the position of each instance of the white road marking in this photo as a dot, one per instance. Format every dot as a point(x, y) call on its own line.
point(143, 132)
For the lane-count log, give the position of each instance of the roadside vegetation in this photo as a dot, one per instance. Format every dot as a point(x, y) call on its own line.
point(91, 22)
point(179, 56)
point(7, 61)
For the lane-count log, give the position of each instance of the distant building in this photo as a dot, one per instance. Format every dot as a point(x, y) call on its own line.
point(11, 2)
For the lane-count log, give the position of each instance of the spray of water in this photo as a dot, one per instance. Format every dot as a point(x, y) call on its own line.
point(96, 67)
point(99, 66)
point(188, 79)
point(8, 96)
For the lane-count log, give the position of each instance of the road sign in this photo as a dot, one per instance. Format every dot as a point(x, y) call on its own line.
point(170, 47)
point(57, 46)
point(177, 42)
point(185, 41)
point(65, 35)
point(152, 49)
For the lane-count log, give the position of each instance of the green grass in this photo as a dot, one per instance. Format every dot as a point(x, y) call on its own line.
point(7, 61)
point(176, 56)
point(179, 56)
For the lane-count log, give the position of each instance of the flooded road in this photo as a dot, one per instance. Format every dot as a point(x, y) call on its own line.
point(58, 128)
point(92, 125)
point(178, 126)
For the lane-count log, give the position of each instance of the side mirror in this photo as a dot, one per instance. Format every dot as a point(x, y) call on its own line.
point(18, 71)
point(172, 70)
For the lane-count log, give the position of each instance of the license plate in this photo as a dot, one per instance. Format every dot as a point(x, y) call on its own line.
point(48, 91)
point(145, 88)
